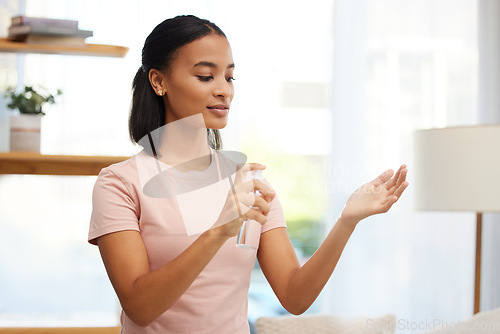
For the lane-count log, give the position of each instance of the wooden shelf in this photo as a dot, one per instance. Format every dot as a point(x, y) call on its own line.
point(99, 50)
point(40, 164)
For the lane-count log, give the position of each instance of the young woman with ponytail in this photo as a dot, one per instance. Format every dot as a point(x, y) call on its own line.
point(171, 280)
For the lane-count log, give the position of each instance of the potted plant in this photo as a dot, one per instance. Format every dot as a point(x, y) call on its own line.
point(25, 127)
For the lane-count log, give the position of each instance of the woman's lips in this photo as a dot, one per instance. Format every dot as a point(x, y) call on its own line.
point(219, 109)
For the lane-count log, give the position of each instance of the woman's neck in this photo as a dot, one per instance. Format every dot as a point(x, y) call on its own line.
point(184, 144)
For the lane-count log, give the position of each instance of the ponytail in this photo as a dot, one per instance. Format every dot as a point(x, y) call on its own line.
point(148, 110)
point(214, 139)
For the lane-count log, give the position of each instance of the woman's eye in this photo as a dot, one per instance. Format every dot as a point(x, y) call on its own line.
point(230, 79)
point(205, 77)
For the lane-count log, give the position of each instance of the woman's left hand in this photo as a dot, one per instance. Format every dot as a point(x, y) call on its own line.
point(376, 196)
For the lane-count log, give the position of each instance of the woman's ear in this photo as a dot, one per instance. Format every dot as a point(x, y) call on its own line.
point(157, 80)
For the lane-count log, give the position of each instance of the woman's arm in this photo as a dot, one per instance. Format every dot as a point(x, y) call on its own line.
point(297, 287)
point(145, 294)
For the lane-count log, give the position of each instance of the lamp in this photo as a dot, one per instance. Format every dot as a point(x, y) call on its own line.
point(458, 169)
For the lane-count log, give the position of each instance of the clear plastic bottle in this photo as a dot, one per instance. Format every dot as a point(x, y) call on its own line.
point(248, 234)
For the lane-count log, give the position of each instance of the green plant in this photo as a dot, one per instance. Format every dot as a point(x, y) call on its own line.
point(31, 100)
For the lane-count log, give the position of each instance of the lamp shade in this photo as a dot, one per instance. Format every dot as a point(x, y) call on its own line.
point(458, 169)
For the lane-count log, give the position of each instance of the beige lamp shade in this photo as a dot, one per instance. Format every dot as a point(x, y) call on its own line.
point(458, 169)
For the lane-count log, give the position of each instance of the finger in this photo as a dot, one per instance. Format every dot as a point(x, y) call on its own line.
point(242, 195)
point(401, 179)
point(262, 205)
point(242, 171)
point(255, 210)
point(247, 199)
point(255, 166)
point(400, 189)
point(393, 198)
point(265, 190)
point(251, 201)
point(250, 166)
point(256, 215)
point(392, 182)
point(383, 178)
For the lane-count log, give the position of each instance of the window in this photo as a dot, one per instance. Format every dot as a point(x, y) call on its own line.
point(328, 94)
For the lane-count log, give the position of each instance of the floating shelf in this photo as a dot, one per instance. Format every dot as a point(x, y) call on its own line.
point(40, 164)
point(98, 50)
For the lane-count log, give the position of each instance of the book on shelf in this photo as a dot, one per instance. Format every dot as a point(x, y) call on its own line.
point(40, 30)
point(22, 20)
point(47, 30)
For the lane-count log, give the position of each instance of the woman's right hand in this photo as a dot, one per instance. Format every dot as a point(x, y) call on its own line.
point(242, 204)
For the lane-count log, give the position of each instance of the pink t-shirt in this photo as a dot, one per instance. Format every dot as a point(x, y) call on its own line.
point(169, 222)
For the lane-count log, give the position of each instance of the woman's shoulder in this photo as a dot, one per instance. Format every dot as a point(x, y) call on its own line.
point(124, 170)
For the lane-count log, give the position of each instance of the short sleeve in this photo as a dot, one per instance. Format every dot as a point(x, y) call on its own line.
point(275, 217)
point(113, 207)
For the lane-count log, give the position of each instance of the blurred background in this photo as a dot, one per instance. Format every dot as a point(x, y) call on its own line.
point(328, 94)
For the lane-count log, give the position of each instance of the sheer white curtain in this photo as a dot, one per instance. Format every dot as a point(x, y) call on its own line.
point(489, 112)
point(401, 66)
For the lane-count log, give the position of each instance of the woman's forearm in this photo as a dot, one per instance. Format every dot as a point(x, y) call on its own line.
point(298, 286)
point(306, 283)
point(152, 293)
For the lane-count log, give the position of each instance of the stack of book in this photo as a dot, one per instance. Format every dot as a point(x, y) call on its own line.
point(47, 31)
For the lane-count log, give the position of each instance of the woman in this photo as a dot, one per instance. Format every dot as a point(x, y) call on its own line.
point(172, 277)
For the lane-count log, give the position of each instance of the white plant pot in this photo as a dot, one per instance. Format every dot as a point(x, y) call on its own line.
point(25, 133)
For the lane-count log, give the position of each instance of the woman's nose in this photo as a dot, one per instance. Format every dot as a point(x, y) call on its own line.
point(222, 88)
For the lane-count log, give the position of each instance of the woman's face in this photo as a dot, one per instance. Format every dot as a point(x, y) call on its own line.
point(200, 80)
